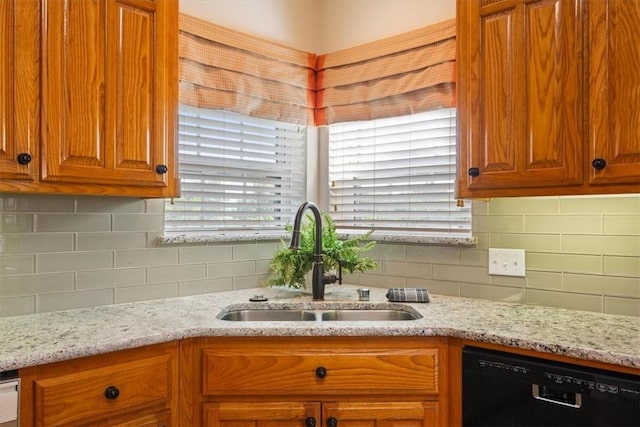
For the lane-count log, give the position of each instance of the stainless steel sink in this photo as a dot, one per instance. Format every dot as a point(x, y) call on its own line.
point(268, 315)
point(368, 315)
point(328, 315)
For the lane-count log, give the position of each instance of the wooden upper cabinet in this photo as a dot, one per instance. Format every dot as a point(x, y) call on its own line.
point(614, 97)
point(19, 86)
point(109, 109)
point(519, 88)
point(545, 87)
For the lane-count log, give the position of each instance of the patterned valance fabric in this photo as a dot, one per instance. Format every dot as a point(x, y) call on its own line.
point(229, 70)
point(399, 75)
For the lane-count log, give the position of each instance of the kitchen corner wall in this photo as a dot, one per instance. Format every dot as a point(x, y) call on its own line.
point(60, 252)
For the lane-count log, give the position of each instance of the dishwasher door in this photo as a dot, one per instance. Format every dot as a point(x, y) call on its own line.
point(9, 399)
point(502, 389)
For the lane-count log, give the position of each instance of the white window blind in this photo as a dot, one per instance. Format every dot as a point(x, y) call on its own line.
point(396, 174)
point(237, 173)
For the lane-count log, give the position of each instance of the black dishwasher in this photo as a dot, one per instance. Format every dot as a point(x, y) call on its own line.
point(503, 389)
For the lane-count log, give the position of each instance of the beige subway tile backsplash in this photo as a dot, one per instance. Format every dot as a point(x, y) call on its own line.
point(605, 245)
point(616, 204)
point(111, 278)
point(176, 273)
point(75, 299)
point(38, 242)
point(36, 284)
point(588, 224)
point(231, 269)
point(111, 240)
point(407, 269)
point(193, 254)
point(47, 222)
point(622, 266)
point(623, 306)
point(495, 293)
point(146, 292)
point(602, 285)
point(36, 203)
point(146, 257)
point(17, 306)
point(110, 204)
point(532, 242)
point(138, 222)
point(16, 223)
point(59, 252)
point(73, 261)
point(590, 264)
point(17, 264)
point(197, 287)
point(573, 301)
point(622, 225)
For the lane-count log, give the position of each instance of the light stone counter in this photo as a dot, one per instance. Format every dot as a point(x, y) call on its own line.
point(49, 337)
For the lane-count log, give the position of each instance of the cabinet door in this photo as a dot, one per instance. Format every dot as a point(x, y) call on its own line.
point(105, 89)
point(381, 414)
point(267, 414)
point(159, 419)
point(19, 71)
point(614, 82)
point(520, 94)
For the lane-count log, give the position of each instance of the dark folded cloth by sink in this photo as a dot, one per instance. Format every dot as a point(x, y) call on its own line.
point(408, 295)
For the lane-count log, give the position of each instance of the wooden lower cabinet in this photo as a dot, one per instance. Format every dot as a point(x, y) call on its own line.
point(314, 382)
point(262, 414)
point(310, 414)
point(137, 387)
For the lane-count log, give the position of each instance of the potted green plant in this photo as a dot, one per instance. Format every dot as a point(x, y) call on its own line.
point(289, 267)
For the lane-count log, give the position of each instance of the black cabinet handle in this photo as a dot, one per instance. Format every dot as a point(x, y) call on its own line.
point(332, 422)
point(310, 422)
point(474, 172)
point(24, 158)
point(321, 372)
point(111, 392)
point(599, 164)
point(161, 169)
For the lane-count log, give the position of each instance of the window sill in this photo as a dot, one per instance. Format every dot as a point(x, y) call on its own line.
point(378, 236)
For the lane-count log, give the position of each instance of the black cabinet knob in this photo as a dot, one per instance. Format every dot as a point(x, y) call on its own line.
point(310, 422)
point(111, 392)
point(332, 422)
point(599, 164)
point(24, 158)
point(321, 372)
point(161, 169)
point(474, 172)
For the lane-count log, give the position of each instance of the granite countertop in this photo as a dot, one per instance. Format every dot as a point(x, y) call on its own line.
point(49, 337)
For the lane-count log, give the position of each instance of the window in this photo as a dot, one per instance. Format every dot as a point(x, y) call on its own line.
point(237, 173)
point(396, 174)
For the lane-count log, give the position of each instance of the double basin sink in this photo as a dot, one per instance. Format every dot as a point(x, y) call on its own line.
point(279, 314)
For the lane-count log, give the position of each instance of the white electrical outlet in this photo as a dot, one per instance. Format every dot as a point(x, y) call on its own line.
point(506, 262)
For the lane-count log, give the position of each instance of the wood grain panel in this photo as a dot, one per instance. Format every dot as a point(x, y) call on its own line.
point(553, 126)
point(133, 92)
point(351, 371)
point(78, 396)
point(614, 34)
point(382, 414)
point(71, 393)
point(498, 79)
point(263, 414)
point(110, 91)
point(19, 88)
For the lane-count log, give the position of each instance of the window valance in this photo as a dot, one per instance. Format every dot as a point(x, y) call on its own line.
point(229, 70)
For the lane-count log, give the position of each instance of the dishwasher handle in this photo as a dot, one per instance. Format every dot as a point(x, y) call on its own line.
point(572, 400)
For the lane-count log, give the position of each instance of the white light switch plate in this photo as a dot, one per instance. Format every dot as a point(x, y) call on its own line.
point(506, 262)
